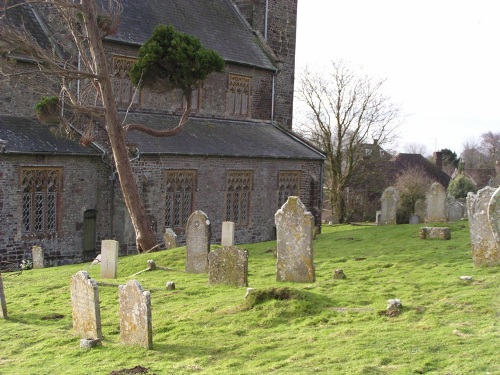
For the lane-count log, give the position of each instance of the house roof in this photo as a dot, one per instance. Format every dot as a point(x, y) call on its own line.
point(215, 137)
point(217, 23)
point(21, 135)
point(403, 161)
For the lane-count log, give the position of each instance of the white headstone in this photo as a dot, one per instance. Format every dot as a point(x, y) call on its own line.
point(37, 254)
point(109, 259)
point(227, 233)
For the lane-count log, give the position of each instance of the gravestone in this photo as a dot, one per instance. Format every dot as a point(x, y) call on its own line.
point(85, 306)
point(485, 249)
point(197, 242)
point(435, 199)
point(294, 236)
point(136, 327)
point(109, 259)
point(378, 216)
point(37, 254)
point(389, 200)
point(442, 233)
point(455, 211)
point(494, 219)
point(170, 238)
point(228, 265)
point(227, 238)
point(3, 304)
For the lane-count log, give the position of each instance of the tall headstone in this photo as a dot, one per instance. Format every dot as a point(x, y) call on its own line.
point(37, 253)
point(85, 306)
point(170, 238)
point(389, 200)
point(494, 220)
point(3, 304)
point(485, 249)
point(109, 259)
point(227, 238)
point(294, 236)
point(136, 327)
point(228, 265)
point(435, 199)
point(197, 242)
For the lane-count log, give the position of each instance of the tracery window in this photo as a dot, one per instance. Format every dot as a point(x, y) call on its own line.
point(288, 185)
point(122, 86)
point(41, 197)
point(180, 186)
point(238, 95)
point(238, 188)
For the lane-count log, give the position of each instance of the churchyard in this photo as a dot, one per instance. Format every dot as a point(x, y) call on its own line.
point(447, 321)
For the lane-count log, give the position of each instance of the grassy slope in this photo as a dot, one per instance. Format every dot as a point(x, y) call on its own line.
point(447, 326)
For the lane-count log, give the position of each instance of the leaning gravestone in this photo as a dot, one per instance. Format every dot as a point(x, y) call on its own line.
point(109, 259)
point(3, 304)
point(485, 249)
point(85, 306)
point(229, 266)
point(37, 254)
point(435, 198)
point(227, 238)
point(294, 234)
point(389, 200)
point(197, 242)
point(170, 238)
point(136, 327)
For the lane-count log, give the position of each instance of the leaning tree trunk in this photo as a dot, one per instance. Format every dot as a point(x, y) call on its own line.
point(145, 237)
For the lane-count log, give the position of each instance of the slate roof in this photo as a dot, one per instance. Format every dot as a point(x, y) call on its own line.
point(403, 161)
point(217, 23)
point(210, 137)
point(27, 136)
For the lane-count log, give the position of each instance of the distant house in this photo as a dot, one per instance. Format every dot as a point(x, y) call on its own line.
point(237, 158)
point(378, 170)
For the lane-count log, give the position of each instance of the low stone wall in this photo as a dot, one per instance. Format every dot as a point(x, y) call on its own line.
point(442, 233)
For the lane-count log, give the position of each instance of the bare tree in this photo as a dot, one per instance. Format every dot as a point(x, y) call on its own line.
point(345, 111)
point(412, 184)
point(416, 148)
point(471, 155)
point(71, 54)
point(490, 147)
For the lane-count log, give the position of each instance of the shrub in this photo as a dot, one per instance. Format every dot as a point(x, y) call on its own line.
point(460, 186)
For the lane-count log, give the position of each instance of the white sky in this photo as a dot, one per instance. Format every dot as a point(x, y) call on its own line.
point(441, 59)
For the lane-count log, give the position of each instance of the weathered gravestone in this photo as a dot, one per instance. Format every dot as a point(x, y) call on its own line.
point(455, 211)
point(228, 265)
point(294, 237)
point(494, 219)
point(389, 200)
point(136, 327)
point(227, 238)
point(170, 238)
point(85, 306)
point(37, 254)
point(197, 242)
point(109, 259)
point(3, 304)
point(435, 199)
point(485, 249)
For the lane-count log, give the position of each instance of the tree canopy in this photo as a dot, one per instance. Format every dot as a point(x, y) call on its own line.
point(171, 59)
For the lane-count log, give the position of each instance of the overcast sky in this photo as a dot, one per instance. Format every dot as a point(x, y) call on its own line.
point(441, 59)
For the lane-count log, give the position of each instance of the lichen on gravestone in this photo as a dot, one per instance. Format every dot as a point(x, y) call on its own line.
point(85, 306)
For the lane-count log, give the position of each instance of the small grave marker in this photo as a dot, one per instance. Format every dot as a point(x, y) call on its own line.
point(228, 265)
point(109, 259)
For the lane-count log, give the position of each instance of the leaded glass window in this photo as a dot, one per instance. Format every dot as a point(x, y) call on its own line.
point(41, 195)
point(179, 186)
point(238, 188)
point(288, 185)
point(122, 86)
point(238, 95)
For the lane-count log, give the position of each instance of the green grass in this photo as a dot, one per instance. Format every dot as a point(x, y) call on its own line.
point(447, 326)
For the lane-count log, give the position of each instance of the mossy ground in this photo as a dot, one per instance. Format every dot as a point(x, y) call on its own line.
point(332, 326)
